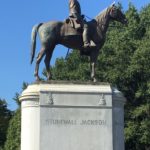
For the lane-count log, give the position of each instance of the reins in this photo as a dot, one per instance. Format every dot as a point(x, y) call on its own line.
point(88, 17)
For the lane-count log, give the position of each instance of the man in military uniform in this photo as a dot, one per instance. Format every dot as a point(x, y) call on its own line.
point(75, 12)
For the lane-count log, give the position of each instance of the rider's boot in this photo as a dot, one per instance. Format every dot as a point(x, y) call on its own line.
point(86, 41)
point(85, 36)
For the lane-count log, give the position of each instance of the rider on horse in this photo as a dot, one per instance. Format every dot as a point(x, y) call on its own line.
point(75, 12)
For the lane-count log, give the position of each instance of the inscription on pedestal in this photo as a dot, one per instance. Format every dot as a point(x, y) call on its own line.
point(50, 122)
point(76, 126)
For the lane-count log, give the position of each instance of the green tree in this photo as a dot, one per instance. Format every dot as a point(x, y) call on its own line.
point(72, 68)
point(138, 116)
point(14, 129)
point(5, 115)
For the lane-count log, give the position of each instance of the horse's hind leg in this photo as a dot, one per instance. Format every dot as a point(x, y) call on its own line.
point(38, 60)
point(47, 61)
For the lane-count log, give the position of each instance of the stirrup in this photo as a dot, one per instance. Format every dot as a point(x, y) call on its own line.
point(86, 45)
point(92, 44)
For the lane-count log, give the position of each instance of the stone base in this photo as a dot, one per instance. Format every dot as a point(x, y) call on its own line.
point(72, 117)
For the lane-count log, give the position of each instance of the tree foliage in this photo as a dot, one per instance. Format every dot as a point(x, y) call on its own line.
point(73, 68)
point(14, 129)
point(5, 115)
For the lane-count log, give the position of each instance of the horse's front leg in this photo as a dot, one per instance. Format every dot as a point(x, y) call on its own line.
point(93, 64)
point(93, 60)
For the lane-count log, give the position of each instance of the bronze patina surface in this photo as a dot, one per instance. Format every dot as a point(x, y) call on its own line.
point(54, 33)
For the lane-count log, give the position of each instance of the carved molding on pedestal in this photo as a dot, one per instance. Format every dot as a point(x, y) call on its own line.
point(102, 101)
point(50, 100)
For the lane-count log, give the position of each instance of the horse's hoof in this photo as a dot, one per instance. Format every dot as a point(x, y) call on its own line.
point(94, 80)
point(49, 78)
point(38, 79)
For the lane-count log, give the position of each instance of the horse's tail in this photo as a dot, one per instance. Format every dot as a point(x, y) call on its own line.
point(33, 40)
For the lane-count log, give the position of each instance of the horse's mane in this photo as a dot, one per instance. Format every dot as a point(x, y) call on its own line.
point(100, 17)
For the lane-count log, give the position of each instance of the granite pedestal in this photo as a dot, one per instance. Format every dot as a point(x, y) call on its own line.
point(72, 117)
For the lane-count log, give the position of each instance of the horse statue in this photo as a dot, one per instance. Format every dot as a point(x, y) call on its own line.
point(53, 33)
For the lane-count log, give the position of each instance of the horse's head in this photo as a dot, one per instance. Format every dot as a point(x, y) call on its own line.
point(116, 14)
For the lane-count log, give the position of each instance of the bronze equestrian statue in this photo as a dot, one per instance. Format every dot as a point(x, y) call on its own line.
point(53, 33)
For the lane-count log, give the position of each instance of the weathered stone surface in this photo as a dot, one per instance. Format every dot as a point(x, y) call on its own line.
point(62, 116)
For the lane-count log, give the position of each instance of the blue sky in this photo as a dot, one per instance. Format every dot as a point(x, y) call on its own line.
point(17, 18)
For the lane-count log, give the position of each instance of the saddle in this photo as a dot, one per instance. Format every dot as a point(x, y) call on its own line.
point(72, 27)
point(74, 23)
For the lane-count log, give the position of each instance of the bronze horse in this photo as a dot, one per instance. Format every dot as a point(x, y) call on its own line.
point(53, 33)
